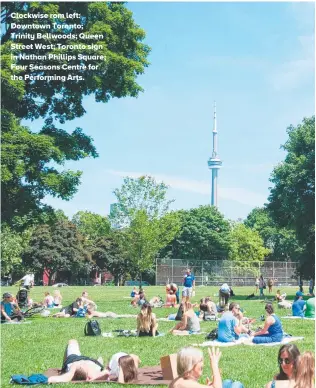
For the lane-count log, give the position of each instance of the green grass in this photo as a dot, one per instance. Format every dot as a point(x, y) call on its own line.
point(35, 347)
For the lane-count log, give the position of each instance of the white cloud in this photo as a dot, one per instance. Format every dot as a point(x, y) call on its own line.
point(240, 195)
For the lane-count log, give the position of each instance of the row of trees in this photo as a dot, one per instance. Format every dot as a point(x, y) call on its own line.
point(141, 228)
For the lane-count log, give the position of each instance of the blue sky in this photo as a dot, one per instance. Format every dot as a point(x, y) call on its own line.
point(255, 59)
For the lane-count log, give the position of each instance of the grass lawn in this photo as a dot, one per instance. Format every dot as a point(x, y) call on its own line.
point(39, 345)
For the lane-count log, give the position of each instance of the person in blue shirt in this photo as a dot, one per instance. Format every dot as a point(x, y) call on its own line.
point(299, 305)
point(272, 330)
point(9, 309)
point(230, 327)
point(188, 285)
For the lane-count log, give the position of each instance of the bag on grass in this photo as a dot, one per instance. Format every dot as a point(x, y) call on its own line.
point(213, 335)
point(92, 328)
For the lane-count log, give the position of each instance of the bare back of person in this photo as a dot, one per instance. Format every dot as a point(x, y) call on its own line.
point(180, 382)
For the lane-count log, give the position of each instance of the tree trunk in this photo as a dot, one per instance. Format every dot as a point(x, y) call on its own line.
point(140, 280)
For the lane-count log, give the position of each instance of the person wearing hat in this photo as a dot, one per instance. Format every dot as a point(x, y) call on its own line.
point(299, 305)
point(9, 309)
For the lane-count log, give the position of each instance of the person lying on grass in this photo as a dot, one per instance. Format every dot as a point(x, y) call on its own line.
point(146, 322)
point(189, 323)
point(288, 363)
point(272, 330)
point(190, 364)
point(77, 367)
point(139, 300)
point(71, 310)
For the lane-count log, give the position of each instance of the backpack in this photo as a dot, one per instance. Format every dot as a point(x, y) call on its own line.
point(212, 335)
point(92, 328)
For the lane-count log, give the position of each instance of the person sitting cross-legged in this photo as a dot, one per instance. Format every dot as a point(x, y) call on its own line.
point(230, 327)
point(208, 310)
point(272, 330)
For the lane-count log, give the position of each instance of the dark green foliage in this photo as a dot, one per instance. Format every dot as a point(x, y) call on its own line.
point(281, 241)
point(292, 198)
point(125, 58)
point(31, 161)
point(58, 247)
point(204, 235)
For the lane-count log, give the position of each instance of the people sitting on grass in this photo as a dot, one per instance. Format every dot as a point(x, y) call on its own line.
point(57, 298)
point(82, 309)
point(85, 299)
point(272, 330)
point(280, 297)
point(70, 310)
point(171, 300)
point(134, 292)
point(230, 327)
point(146, 322)
point(305, 371)
point(139, 299)
point(287, 359)
point(310, 308)
point(190, 362)
point(298, 305)
point(208, 310)
point(9, 309)
point(48, 300)
point(189, 323)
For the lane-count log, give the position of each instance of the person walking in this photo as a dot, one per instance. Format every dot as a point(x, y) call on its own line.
point(262, 285)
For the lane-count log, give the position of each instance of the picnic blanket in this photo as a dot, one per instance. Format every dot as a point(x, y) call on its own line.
point(247, 341)
point(149, 375)
point(15, 322)
point(291, 317)
point(189, 333)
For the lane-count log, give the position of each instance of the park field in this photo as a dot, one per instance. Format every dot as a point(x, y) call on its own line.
point(39, 345)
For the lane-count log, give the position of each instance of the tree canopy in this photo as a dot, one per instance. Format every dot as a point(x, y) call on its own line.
point(281, 241)
point(91, 225)
point(292, 197)
point(204, 235)
point(33, 163)
point(57, 247)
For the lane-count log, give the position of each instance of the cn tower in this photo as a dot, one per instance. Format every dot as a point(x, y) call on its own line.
point(214, 163)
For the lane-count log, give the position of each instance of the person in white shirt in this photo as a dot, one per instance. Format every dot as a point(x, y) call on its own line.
point(27, 281)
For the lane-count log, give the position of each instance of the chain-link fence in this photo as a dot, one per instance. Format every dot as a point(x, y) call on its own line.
point(217, 272)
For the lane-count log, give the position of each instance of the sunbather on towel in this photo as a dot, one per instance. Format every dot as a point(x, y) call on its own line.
point(77, 367)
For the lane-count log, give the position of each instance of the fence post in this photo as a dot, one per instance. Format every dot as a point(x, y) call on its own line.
point(202, 273)
point(273, 270)
point(172, 270)
point(286, 272)
point(156, 271)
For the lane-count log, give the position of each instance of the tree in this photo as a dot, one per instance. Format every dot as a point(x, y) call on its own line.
point(204, 235)
point(281, 242)
point(292, 198)
point(122, 57)
point(108, 255)
point(11, 250)
point(145, 237)
point(57, 248)
point(247, 246)
point(142, 193)
point(26, 171)
point(28, 158)
point(91, 225)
